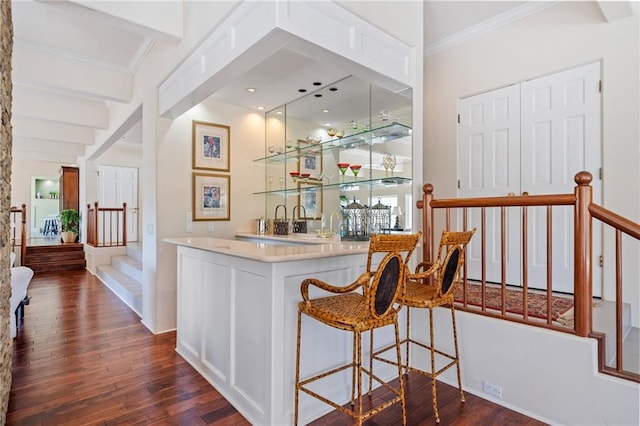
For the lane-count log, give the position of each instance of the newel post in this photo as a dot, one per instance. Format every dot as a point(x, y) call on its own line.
point(96, 221)
point(427, 222)
point(124, 224)
point(583, 279)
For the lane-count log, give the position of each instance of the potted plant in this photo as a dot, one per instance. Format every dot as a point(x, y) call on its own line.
point(69, 222)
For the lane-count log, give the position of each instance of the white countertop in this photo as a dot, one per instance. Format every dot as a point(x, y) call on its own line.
point(294, 238)
point(265, 252)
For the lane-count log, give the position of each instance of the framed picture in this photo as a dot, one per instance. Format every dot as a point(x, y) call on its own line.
point(310, 160)
point(211, 145)
point(310, 200)
point(211, 197)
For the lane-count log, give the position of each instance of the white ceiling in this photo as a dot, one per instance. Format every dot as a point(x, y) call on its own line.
point(71, 61)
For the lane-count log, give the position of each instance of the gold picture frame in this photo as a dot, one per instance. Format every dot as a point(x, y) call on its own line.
point(211, 197)
point(211, 146)
point(310, 200)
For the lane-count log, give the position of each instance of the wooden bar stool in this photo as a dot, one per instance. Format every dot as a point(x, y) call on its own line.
point(376, 306)
point(419, 293)
point(434, 284)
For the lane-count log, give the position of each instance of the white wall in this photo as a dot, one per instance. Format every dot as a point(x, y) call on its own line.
point(21, 173)
point(547, 375)
point(561, 37)
point(174, 194)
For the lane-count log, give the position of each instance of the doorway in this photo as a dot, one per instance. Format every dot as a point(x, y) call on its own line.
point(531, 138)
point(117, 185)
point(45, 207)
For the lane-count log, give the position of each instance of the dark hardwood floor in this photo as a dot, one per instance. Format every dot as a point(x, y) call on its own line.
point(82, 357)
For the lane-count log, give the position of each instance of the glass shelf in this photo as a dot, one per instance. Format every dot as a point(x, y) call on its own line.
point(349, 183)
point(367, 138)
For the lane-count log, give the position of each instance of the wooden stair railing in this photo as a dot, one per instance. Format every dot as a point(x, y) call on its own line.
point(20, 226)
point(584, 213)
point(620, 225)
point(106, 226)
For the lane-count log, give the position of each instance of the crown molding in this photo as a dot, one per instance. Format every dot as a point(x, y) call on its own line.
point(488, 25)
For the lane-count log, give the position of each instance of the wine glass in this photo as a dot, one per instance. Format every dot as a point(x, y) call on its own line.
point(389, 163)
point(355, 169)
point(332, 131)
point(343, 169)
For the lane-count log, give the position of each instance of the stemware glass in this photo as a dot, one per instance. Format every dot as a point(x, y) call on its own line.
point(332, 131)
point(355, 169)
point(389, 163)
point(343, 169)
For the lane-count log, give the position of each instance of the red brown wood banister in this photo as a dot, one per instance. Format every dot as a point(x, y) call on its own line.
point(20, 212)
point(584, 212)
point(113, 231)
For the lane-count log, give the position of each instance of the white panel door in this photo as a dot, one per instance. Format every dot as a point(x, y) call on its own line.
point(490, 166)
point(556, 128)
point(117, 185)
point(560, 137)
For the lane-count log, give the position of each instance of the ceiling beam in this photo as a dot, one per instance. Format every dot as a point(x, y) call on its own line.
point(35, 68)
point(42, 149)
point(59, 108)
point(164, 23)
point(33, 128)
point(614, 10)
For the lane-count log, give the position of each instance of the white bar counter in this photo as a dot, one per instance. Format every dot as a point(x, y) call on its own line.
point(237, 321)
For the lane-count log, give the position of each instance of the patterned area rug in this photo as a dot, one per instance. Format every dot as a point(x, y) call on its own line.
point(536, 303)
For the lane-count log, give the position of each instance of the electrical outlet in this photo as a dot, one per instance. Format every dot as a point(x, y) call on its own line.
point(210, 227)
point(492, 389)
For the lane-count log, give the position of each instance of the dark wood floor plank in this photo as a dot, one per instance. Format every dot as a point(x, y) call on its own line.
point(82, 357)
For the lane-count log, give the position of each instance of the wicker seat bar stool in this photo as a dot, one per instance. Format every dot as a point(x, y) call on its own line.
point(434, 284)
point(368, 303)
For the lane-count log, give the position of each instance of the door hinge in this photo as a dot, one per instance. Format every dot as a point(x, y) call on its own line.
point(600, 86)
point(601, 261)
point(458, 183)
point(600, 173)
point(458, 118)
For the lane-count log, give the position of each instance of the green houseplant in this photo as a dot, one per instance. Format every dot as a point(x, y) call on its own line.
point(70, 223)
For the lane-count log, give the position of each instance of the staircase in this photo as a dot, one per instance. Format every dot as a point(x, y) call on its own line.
point(124, 276)
point(604, 321)
point(60, 257)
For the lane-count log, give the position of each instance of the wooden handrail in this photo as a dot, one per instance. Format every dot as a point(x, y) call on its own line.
point(23, 232)
point(95, 215)
point(584, 214)
point(615, 220)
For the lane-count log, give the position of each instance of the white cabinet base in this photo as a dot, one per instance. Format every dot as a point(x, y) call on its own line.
point(237, 321)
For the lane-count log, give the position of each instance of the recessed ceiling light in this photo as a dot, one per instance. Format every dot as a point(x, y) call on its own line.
point(325, 110)
point(327, 124)
point(251, 89)
point(278, 112)
point(260, 108)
